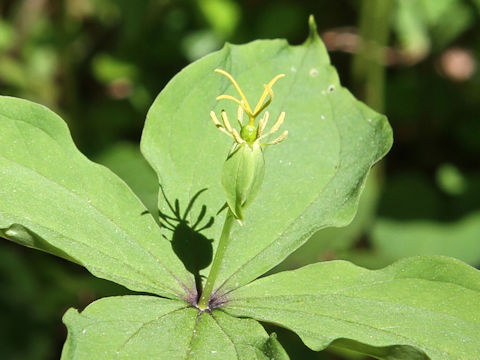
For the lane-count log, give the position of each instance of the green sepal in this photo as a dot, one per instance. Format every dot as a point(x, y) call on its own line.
point(242, 176)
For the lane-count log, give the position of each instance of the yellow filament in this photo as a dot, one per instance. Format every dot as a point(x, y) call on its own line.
point(262, 123)
point(279, 139)
point(237, 137)
point(226, 122)
point(240, 115)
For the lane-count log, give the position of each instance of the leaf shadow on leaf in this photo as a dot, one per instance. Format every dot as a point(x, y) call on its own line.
point(193, 248)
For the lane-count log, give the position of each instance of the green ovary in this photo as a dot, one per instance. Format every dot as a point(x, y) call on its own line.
point(249, 133)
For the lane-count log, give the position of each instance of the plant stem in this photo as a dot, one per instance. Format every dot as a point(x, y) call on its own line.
point(368, 68)
point(217, 261)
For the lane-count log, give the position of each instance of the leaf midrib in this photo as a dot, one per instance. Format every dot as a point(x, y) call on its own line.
point(366, 299)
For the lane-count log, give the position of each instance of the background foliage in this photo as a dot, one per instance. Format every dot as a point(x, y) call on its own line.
point(101, 63)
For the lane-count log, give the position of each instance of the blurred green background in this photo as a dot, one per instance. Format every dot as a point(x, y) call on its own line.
point(101, 63)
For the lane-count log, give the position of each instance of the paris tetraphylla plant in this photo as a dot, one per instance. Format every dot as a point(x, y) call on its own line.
point(424, 307)
point(54, 199)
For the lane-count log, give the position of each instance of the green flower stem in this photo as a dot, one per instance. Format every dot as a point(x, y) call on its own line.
point(217, 261)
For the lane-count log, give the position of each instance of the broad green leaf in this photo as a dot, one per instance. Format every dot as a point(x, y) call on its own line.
point(461, 239)
point(417, 307)
point(147, 327)
point(125, 160)
point(54, 199)
point(312, 180)
point(333, 243)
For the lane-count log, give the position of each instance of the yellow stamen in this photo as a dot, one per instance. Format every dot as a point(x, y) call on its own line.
point(262, 123)
point(225, 121)
point(213, 116)
point(240, 115)
point(218, 125)
point(237, 137)
point(275, 127)
point(279, 139)
point(279, 123)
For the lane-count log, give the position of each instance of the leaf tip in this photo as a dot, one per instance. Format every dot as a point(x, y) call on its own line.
point(69, 315)
point(312, 25)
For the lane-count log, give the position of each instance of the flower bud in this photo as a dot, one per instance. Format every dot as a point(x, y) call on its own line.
point(242, 176)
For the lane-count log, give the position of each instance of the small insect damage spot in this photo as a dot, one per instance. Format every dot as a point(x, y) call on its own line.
point(331, 88)
point(313, 72)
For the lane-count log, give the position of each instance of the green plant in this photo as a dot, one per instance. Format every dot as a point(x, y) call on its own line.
point(54, 199)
